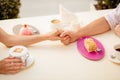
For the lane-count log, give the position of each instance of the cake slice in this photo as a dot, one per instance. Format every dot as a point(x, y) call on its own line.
point(90, 45)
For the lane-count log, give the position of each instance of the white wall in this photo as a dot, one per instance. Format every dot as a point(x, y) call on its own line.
point(32, 8)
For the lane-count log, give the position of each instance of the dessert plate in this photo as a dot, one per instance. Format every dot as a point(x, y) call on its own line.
point(113, 58)
point(92, 55)
point(16, 29)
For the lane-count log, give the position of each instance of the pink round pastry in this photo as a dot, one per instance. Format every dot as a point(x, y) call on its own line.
point(25, 30)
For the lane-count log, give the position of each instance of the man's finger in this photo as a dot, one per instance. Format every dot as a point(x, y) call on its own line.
point(64, 34)
point(66, 42)
point(66, 37)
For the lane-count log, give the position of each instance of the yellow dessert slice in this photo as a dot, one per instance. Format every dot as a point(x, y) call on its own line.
point(90, 45)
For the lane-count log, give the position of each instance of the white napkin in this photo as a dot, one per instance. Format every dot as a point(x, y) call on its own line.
point(68, 19)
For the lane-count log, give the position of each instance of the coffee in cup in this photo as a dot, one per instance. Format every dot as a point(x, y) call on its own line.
point(56, 24)
point(19, 52)
point(117, 51)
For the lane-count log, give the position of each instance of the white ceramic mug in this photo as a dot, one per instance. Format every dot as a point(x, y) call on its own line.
point(56, 24)
point(19, 52)
point(117, 51)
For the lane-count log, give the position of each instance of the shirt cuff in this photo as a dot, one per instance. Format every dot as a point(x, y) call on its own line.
point(111, 19)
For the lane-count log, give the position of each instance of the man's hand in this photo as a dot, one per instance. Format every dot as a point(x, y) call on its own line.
point(68, 37)
point(117, 30)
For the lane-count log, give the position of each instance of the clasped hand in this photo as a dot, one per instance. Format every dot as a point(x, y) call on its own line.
point(66, 37)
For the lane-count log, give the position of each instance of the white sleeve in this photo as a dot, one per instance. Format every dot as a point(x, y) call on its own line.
point(113, 18)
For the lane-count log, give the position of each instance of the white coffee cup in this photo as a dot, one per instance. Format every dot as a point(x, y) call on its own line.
point(117, 51)
point(56, 24)
point(19, 52)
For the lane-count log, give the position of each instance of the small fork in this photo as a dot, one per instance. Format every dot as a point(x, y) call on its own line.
point(98, 49)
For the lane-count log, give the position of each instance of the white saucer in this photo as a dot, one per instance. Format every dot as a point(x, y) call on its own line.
point(17, 28)
point(29, 61)
point(112, 58)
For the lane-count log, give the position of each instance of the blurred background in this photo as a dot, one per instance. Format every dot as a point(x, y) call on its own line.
point(31, 8)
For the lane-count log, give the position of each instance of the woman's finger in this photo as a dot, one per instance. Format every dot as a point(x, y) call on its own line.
point(13, 60)
point(13, 72)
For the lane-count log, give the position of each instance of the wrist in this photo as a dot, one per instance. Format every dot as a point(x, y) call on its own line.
point(81, 33)
point(46, 37)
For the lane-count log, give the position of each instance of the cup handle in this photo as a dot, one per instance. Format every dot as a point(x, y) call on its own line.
point(26, 58)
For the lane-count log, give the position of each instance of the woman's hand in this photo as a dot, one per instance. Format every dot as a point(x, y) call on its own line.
point(11, 65)
point(54, 35)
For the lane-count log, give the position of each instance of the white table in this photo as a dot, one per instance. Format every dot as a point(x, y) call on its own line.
point(54, 61)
